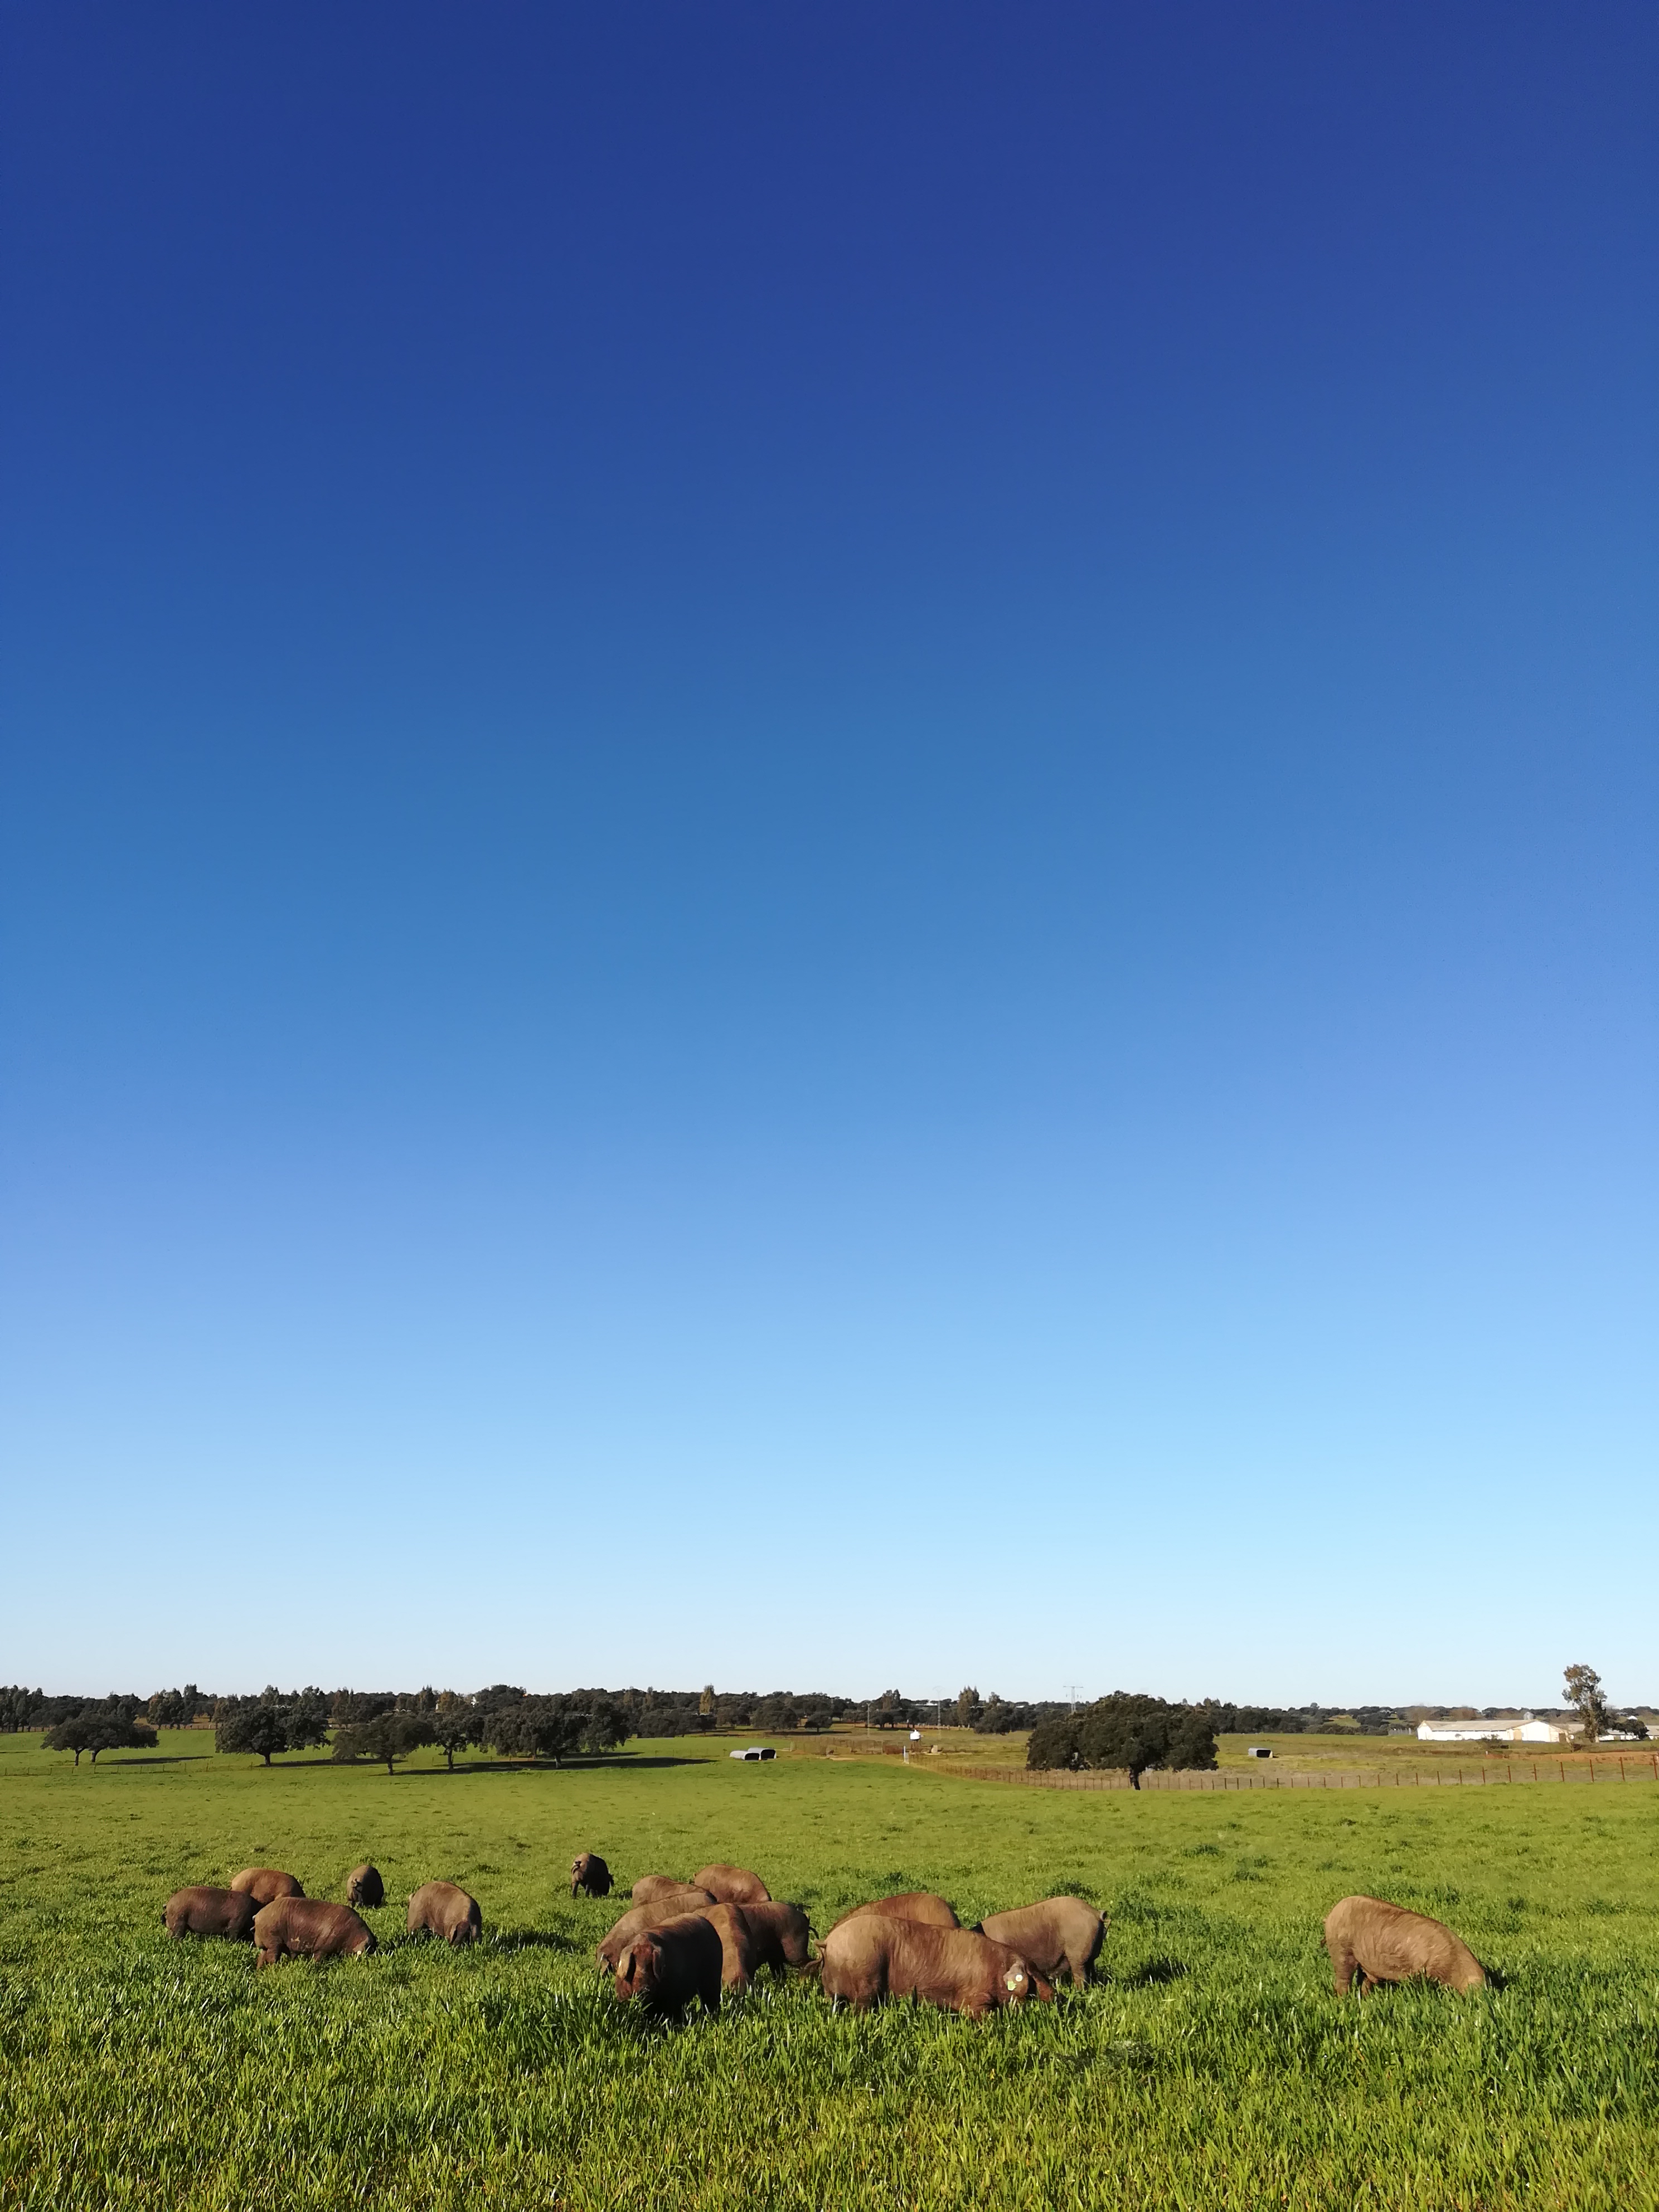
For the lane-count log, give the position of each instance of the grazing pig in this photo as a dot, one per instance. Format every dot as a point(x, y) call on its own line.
point(635, 1922)
point(438, 1908)
point(730, 1884)
point(652, 1888)
point(918, 1905)
point(666, 1968)
point(364, 1885)
point(871, 1958)
point(262, 1883)
point(209, 1912)
point(589, 1873)
point(1387, 1943)
point(307, 1928)
point(739, 1964)
point(1061, 1931)
point(780, 1933)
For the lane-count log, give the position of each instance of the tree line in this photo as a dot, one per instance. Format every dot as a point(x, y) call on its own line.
point(655, 1712)
point(387, 1725)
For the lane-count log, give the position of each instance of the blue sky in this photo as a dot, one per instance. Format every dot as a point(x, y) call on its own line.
point(829, 848)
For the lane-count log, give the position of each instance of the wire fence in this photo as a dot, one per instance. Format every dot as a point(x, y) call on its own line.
point(1441, 1775)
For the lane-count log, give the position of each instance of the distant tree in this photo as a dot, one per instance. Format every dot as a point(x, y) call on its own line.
point(307, 1721)
point(166, 1709)
point(455, 1726)
point(890, 1710)
point(706, 1702)
point(350, 1706)
point(94, 1731)
point(997, 1717)
point(967, 1708)
point(255, 1726)
point(385, 1740)
point(21, 1707)
point(74, 1735)
point(536, 1728)
point(1584, 1688)
point(118, 1734)
point(1126, 1731)
point(605, 1726)
point(556, 1728)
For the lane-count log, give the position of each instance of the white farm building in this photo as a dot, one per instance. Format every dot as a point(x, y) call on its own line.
point(1525, 1730)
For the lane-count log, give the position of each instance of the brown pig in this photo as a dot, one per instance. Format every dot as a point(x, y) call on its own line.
point(652, 1888)
point(870, 1957)
point(780, 1933)
point(265, 1883)
point(1386, 1943)
point(438, 1908)
point(919, 1904)
point(307, 1928)
point(589, 1873)
point(364, 1885)
point(1060, 1932)
point(738, 1962)
point(635, 1922)
point(209, 1912)
point(732, 1885)
point(672, 1967)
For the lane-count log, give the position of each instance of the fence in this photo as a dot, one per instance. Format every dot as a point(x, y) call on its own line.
point(1631, 1768)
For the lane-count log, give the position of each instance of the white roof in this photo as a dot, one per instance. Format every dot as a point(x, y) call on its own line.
point(1527, 1730)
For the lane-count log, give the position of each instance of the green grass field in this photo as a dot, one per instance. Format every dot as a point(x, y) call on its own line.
point(1211, 2066)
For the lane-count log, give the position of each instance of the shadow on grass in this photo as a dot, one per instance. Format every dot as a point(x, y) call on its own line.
point(535, 1766)
point(1154, 1973)
point(531, 1939)
point(166, 1758)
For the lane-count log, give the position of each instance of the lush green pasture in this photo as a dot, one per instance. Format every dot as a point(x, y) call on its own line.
point(1211, 2067)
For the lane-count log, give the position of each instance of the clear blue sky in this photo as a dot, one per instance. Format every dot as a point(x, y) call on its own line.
point(828, 846)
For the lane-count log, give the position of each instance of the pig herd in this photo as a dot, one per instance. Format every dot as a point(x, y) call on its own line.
point(682, 1943)
point(269, 1908)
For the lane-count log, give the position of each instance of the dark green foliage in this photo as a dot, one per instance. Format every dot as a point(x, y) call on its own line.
point(556, 1728)
point(307, 1721)
point(253, 1726)
point(998, 1717)
point(23, 1708)
point(386, 1739)
point(1126, 1731)
point(1583, 1686)
point(348, 1707)
point(455, 1725)
point(95, 1729)
point(178, 1708)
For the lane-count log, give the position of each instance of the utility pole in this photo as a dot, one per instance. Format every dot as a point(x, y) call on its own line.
point(1074, 1690)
